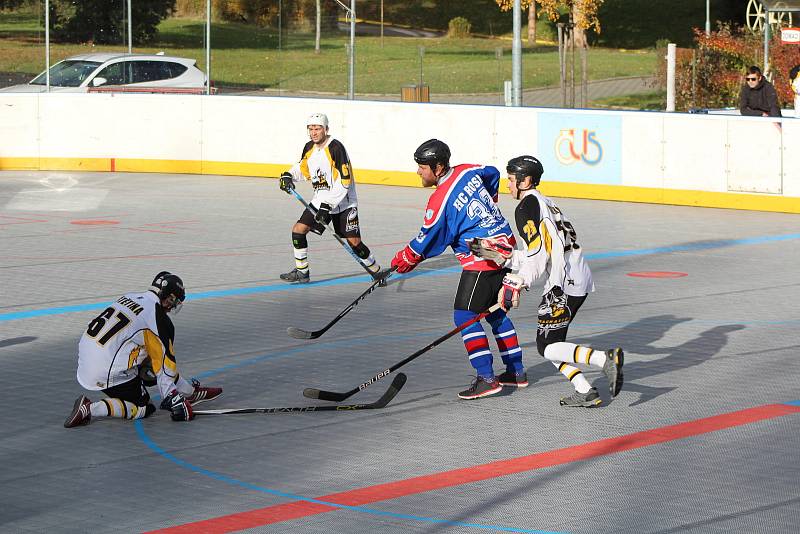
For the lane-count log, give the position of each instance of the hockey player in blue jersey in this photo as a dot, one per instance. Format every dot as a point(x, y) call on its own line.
point(462, 208)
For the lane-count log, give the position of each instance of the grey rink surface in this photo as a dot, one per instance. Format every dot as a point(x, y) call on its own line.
point(719, 340)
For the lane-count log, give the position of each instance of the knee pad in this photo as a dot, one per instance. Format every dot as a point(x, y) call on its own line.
point(299, 240)
point(361, 250)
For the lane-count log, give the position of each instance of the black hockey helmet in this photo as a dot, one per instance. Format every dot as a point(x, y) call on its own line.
point(165, 284)
point(523, 166)
point(432, 152)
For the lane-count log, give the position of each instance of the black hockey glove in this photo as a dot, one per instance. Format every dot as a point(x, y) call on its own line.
point(323, 215)
point(286, 182)
point(180, 407)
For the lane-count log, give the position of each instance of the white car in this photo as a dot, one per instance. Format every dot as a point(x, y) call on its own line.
point(77, 74)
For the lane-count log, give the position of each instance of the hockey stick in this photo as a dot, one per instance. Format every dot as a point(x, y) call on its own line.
point(346, 246)
point(299, 333)
point(313, 393)
point(386, 398)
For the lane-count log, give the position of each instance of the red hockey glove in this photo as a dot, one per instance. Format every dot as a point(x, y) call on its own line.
point(509, 294)
point(405, 260)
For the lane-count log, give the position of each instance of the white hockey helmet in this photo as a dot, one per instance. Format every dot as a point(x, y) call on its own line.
point(317, 119)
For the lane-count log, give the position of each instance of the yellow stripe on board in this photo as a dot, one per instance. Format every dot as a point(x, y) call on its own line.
point(676, 197)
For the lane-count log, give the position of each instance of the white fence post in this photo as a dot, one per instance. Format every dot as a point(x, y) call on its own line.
point(671, 77)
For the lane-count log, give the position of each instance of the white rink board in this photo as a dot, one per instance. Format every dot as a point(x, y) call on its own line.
point(656, 150)
point(690, 163)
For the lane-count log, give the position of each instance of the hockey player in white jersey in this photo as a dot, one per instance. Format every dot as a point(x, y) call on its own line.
point(130, 346)
point(551, 249)
point(324, 162)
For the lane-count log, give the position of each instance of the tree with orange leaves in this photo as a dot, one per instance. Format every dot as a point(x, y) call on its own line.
point(584, 13)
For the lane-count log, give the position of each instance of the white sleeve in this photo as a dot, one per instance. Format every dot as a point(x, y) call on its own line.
point(297, 174)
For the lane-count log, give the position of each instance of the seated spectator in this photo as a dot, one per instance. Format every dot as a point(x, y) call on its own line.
point(758, 97)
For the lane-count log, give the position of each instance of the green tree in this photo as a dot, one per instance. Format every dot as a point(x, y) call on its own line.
point(101, 21)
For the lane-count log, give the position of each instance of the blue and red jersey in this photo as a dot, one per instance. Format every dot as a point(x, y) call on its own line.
point(463, 207)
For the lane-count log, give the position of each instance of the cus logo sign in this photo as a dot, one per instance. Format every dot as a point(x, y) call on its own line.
point(574, 145)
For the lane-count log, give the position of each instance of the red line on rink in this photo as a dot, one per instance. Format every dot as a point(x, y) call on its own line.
point(392, 490)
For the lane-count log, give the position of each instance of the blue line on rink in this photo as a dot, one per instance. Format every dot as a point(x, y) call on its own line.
point(229, 480)
point(793, 403)
point(704, 245)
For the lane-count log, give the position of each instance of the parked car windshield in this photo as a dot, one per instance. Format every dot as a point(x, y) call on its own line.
point(67, 73)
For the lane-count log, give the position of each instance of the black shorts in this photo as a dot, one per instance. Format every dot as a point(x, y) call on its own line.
point(132, 391)
point(550, 331)
point(477, 290)
point(345, 223)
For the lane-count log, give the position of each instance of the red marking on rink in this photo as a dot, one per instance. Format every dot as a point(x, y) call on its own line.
point(93, 222)
point(658, 274)
point(113, 164)
point(19, 220)
point(392, 490)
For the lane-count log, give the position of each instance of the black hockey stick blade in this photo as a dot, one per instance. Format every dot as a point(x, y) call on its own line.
point(394, 388)
point(299, 333)
point(334, 396)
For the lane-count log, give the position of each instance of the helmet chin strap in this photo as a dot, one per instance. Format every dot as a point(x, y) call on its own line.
point(520, 190)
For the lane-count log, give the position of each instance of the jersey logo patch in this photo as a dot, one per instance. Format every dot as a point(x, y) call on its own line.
point(320, 181)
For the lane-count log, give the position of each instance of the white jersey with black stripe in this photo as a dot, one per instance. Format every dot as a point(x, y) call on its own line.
point(550, 246)
point(328, 169)
point(121, 337)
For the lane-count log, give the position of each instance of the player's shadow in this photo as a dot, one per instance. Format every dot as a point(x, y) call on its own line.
point(638, 340)
point(16, 341)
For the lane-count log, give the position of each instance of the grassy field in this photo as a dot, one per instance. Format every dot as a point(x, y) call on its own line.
point(251, 57)
point(644, 101)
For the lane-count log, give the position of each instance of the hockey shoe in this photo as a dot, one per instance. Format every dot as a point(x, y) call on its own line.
point(585, 400)
point(297, 277)
point(481, 388)
point(510, 378)
point(202, 394)
point(81, 414)
point(613, 370)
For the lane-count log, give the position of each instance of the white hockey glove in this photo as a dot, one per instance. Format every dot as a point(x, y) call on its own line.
point(508, 297)
point(496, 250)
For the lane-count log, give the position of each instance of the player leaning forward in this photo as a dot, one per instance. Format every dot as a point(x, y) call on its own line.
point(461, 209)
point(325, 163)
point(129, 346)
point(551, 247)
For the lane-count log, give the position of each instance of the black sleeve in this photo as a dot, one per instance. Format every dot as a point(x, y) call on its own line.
point(306, 148)
point(773, 108)
point(340, 160)
point(744, 108)
point(166, 332)
point(528, 217)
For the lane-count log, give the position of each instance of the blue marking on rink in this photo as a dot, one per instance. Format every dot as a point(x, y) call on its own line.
point(704, 245)
point(236, 482)
point(793, 403)
point(701, 245)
